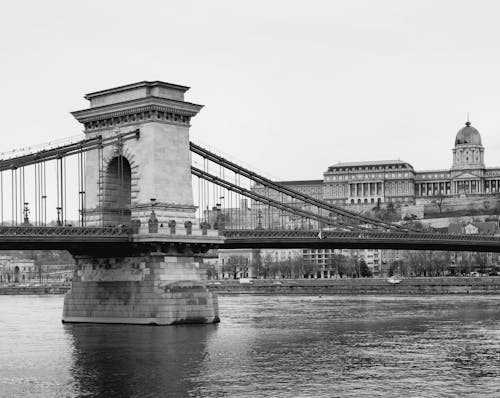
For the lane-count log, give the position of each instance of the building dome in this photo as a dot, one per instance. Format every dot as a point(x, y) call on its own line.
point(468, 135)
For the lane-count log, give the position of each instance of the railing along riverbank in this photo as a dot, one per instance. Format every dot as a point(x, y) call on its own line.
point(354, 286)
point(344, 286)
point(36, 289)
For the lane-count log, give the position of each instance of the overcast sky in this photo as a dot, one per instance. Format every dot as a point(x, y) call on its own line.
point(289, 87)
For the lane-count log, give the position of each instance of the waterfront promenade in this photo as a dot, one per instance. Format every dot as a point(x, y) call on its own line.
point(361, 286)
point(378, 286)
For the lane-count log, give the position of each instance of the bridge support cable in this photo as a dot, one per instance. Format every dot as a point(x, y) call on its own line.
point(22, 196)
point(100, 180)
point(43, 179)
point(87, 144)
point(36, 170)
point(13, 191)
point(65, 203)
point(243, 192)
point(58, 193)
point(28, 188)
point(81, 187)
point(267, 183)
point(39, 199)
point(1, 197)
point(245, 211)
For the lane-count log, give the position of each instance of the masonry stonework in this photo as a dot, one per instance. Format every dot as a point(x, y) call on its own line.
point(149, 289)
point(144, 183)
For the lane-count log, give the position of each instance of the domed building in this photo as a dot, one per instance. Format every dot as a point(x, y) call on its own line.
point(396, 181)
point(370, 182)
point(468, 168)
point(468, 174)
point(468, 152)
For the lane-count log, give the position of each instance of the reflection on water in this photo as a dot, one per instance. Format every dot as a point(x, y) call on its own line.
point(264, 346)
point(127, 361)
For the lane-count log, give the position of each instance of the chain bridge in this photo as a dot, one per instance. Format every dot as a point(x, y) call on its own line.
point(136, 202)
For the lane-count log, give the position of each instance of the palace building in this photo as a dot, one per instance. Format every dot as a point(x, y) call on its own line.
point(396, 181)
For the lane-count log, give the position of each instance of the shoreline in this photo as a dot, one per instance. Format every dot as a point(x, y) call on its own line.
point(364, 286)
point(351, 286)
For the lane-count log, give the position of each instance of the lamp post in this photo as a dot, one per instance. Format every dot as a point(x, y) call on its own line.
point(59, 210)
point(26, 212)
point(153, 221)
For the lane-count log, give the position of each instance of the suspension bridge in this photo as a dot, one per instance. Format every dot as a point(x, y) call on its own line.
point(135, 201)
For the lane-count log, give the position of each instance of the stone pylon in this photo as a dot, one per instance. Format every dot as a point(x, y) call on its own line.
point(144, 183)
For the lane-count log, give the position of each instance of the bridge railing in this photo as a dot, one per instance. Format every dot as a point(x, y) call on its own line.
point(308, 234)
point(28, 230)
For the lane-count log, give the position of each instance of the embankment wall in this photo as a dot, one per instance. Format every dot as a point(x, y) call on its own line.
point(417, 286)
point(369, 286)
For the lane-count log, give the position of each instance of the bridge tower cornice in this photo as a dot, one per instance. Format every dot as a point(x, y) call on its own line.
point(137, 103)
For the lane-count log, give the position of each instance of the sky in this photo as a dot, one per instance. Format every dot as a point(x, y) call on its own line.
point(289, 87)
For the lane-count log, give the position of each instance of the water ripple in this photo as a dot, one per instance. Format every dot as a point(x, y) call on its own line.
point(265, 346)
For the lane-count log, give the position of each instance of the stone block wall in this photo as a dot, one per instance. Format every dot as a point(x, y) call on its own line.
point(150, 289)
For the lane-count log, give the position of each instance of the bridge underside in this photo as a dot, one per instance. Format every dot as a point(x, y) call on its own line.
point(315, 243)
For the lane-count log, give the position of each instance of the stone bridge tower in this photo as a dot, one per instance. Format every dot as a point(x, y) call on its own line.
point(144, 183)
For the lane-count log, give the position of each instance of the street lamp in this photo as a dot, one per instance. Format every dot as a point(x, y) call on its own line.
point(26, 212)
point(59, 210)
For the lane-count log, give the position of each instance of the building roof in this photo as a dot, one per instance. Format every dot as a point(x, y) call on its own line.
point(468, 135)
point(370, 163)
point(483, 228)
point(454, 228)
point(128, 87)
point(487, 227)
point(300, 182)
point(430, 171)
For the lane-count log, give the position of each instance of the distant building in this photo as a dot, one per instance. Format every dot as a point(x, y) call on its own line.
point(14, 270)
point(241, 263)
point(473, 228)
point(396, 181)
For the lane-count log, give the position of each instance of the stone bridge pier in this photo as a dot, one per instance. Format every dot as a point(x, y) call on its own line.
point(145, 183)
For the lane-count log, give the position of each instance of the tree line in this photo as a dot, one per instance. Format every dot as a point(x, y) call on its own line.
point(411, 263)
point(293, 268)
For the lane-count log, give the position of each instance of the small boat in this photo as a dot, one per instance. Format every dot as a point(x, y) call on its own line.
point(394, 280)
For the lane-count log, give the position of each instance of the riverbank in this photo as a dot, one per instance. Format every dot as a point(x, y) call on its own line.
point(361, 286)
point(356, 286)
point(34, 289)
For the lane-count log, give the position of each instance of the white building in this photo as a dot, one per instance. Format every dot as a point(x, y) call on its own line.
point(13, 270)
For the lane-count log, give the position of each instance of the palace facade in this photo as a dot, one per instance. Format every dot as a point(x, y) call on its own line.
point(396, 181)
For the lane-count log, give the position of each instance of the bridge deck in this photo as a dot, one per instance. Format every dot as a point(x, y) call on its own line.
point(283, 239)
point(61, 238)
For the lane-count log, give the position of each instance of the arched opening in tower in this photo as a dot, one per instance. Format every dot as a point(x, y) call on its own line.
point(117, 192)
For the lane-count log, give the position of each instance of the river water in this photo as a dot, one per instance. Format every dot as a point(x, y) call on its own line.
point(265, 346)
